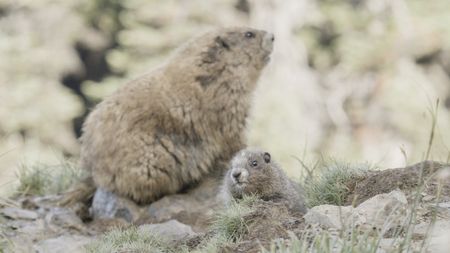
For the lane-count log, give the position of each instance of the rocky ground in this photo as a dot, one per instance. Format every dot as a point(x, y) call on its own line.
point(390, 206)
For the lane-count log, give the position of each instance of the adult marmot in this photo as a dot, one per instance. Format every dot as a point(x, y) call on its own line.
point(169, 128)
point(253, 172)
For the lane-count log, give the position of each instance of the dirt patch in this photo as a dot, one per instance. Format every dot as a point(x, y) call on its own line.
point(407, 178)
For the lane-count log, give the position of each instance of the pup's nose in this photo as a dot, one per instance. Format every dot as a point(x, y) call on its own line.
point(236, 174)
point(268, 41)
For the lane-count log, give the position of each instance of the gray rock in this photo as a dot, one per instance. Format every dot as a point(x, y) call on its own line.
point(440, 243)
point(30, 227)
point(171, 230)
point(438, 235)
point(329, 216)
point(381, 211)
point(107, 205)
point(444, 205)
point(63, 244)
point(17, 213)
point(63, 218)
point(194, 208)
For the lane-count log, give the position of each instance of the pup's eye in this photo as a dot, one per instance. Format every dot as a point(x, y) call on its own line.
point(249, 35)
point(254, 163)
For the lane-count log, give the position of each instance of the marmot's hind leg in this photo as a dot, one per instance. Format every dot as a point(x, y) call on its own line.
point(78, 198)
point(80, 192)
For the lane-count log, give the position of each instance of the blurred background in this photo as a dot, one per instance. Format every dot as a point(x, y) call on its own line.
point(356, 80)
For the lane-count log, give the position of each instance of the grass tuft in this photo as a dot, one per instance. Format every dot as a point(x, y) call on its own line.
point(327, 242)
point(5, 243)
point(332, 184)
point(212, 245)
point(230, 223)
point(41, 179)
point(129, 240)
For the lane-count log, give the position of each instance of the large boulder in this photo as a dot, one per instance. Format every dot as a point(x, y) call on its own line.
point(381, 211)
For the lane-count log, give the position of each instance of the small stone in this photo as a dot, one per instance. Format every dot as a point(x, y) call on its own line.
point(17, 213)
point(172, 230)
point(63, 218)
point(388, 244)
point(428, 198)
point(445, 205)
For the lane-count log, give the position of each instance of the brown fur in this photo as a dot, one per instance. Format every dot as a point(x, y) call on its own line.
point(264, 178)
point(169, 128)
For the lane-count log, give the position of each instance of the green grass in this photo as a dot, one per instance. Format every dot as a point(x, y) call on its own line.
point(212, 245)
point(129, 240)
point(229, 223)
point(2, 243)
point(5, 243)
point(331, 184)
point(326, 242)
point(41, 179)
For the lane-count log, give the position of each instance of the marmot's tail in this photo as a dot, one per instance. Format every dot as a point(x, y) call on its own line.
point(81, 192)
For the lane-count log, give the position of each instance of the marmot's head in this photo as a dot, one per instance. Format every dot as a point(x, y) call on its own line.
point(241, 50)
point(251, 172)
point(240, 46)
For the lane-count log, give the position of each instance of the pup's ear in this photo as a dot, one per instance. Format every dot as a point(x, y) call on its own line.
point(266, 157)
point(222, 43)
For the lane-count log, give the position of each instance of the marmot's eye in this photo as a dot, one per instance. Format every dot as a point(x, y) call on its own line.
point(249, 35)
point(254, 163)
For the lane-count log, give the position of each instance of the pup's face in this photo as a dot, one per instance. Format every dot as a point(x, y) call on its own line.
point(248, 172)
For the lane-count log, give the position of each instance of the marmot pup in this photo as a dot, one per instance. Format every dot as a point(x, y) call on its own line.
point(167, 129)
point(254, 172)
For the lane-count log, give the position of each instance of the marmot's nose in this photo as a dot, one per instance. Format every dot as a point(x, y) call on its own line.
point(236, 174)
point(268, 41)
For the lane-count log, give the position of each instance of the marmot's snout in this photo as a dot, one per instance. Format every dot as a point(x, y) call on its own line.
point(239, 175)
point(268, 40)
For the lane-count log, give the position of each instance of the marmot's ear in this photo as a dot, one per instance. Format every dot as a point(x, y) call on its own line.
point(222, 43)
point(266, 157)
